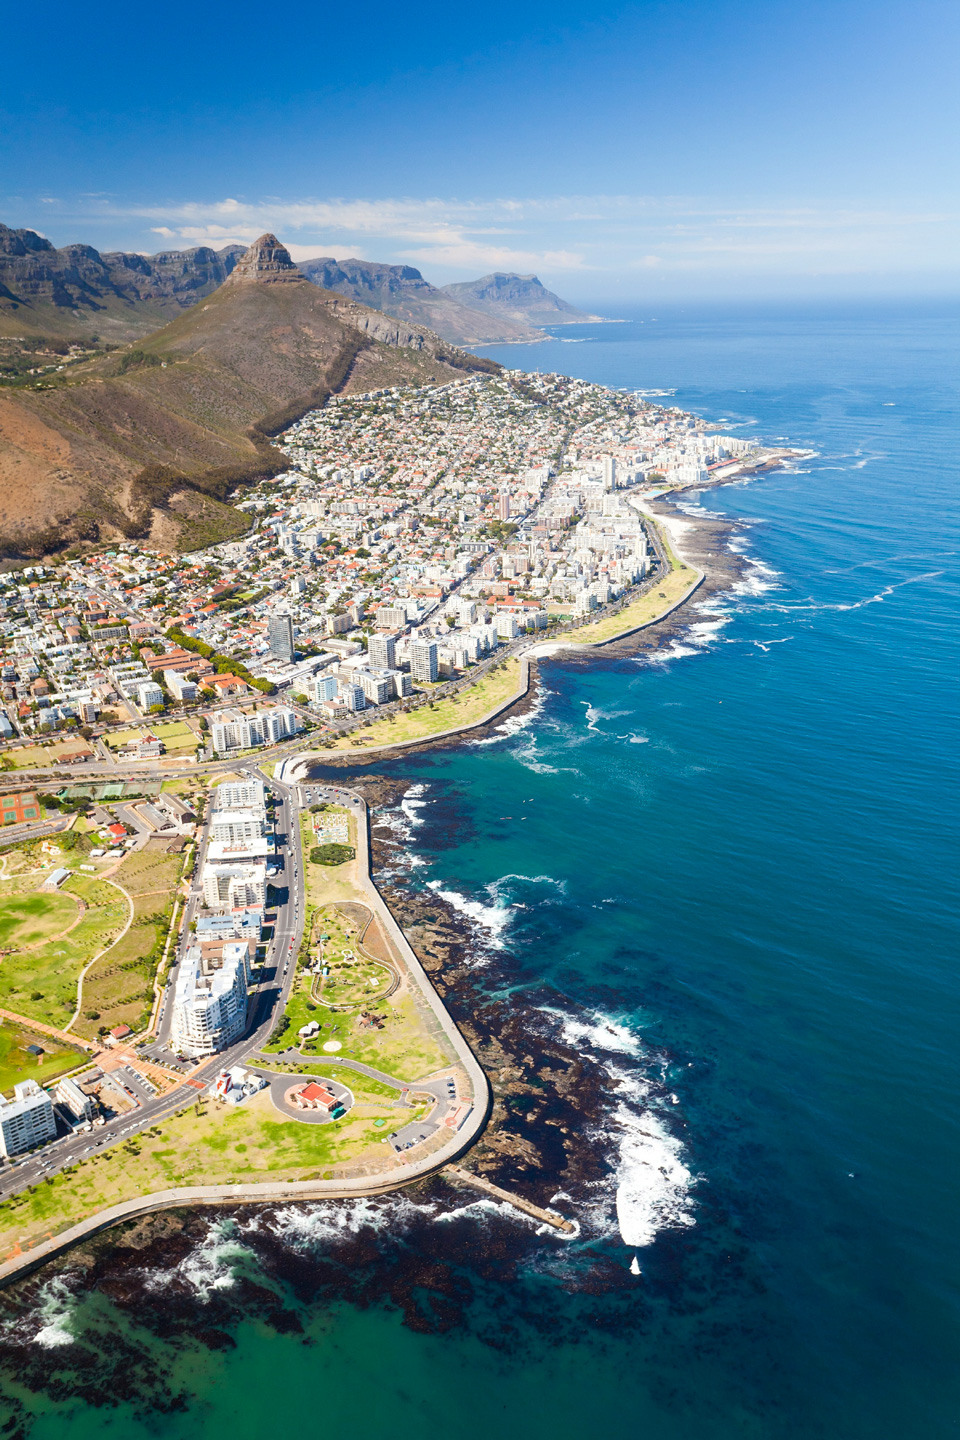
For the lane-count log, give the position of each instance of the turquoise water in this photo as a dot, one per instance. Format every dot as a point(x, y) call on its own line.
point(730, 875)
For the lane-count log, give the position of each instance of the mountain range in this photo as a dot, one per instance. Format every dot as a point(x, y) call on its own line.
point(76, 292)
point(152, 439)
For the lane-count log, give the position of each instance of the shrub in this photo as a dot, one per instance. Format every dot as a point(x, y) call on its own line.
point(332, 854)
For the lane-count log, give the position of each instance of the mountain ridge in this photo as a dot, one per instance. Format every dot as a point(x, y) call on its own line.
point(152, 441)
point(401, 290)
point(522, 298)
point(77, 290)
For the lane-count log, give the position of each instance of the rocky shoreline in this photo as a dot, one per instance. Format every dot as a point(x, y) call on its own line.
point(544, 1136)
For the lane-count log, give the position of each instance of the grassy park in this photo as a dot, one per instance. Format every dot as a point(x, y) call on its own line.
point(466, 708)
point(206, 1144)
point(17, 1063)
point(38, 979)
point(354, 978)
point(47, 752)
point(408, 1045)
point(118, 989)
point(29, 919)
point(175, 734)
point(49, 937)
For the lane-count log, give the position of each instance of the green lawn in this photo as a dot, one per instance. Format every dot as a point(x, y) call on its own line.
point(467, 708)
point(24, 757)
point(28, 919)
point(355, 979)
point(17, 1065)
point(42, 983)
point(221, 1143)
point(118, 989)
point(175, 734)
point(408, 1046)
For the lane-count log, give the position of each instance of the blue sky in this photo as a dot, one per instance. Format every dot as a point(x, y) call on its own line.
point(623, 152)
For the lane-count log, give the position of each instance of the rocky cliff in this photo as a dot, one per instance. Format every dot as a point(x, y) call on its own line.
point(76, 290)
point(400, 290)
point(521, 298)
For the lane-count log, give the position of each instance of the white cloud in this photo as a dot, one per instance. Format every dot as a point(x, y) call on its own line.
point(597, 236)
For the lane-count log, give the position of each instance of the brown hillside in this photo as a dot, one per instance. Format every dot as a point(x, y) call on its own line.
point(152, 439)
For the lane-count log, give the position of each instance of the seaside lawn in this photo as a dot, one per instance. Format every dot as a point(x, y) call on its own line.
point(17, 1064)
point(207, 1144)
point(39, 981)
point(408, 1045)
point(467, 708)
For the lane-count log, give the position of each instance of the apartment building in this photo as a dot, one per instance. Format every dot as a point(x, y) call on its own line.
point(210, 999)
point(26, 1120)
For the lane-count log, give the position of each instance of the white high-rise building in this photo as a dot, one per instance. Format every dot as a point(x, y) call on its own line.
point(377, 686)
point(237, 825)
point(245, 732)
point(280, 723)
point(239, 886)
point(351, 694)
point(240, 795)
point(149, 694)
point(210, 1000)
point(382, 652)
point(26, 1120)
point(423, 660)
point(324, 687)
point(179, 686)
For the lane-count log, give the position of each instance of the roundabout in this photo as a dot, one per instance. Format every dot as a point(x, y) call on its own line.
point(311, 1099)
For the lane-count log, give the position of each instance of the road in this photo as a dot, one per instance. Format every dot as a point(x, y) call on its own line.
point(267, 1002)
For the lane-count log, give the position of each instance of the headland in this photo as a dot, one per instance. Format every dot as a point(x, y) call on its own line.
point(590, 566)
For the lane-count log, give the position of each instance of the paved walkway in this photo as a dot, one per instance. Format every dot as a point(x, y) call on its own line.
point(74, 1040)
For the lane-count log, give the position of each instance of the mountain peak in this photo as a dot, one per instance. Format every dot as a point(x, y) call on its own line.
point(267, 262)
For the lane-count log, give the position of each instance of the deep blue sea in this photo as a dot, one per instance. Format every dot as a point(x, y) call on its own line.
point(729, 873)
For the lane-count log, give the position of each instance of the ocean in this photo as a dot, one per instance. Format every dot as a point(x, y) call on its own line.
point(725, 875)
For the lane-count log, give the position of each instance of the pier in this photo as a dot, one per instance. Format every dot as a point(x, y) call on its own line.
point(547, 1217)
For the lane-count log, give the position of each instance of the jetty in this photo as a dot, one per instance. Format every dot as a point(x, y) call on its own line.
point(547, 1217)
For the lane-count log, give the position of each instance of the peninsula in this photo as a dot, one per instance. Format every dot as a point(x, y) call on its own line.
point(204, 997)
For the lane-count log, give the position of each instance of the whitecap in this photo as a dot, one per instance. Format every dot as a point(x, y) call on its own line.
point(514, 724)
point(653, 1183)
point(56, 1306)
point(210, 1266)
point(600, 1031)
point(412, 802)
point(594, 714)
point(493, 918)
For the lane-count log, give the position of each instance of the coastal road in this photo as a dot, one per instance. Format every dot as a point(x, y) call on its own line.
point(266, 1004)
